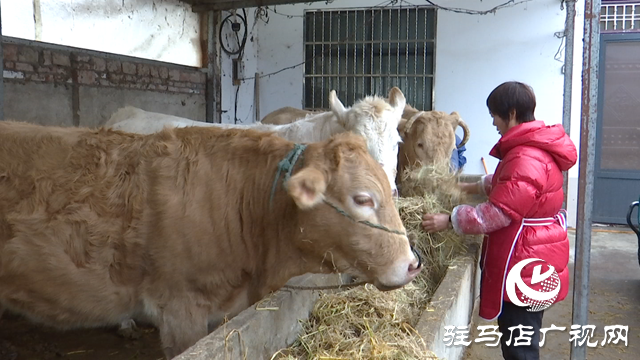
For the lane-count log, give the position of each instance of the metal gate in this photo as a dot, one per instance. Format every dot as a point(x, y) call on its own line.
point(360, 52)
point(617, 168)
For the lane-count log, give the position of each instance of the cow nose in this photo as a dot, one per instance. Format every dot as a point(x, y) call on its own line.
point(417, 265)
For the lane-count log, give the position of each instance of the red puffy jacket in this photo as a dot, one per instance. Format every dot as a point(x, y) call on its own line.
point(527, 188)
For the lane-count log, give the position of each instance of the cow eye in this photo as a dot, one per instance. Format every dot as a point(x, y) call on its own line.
point(363, 200)
point(420, 145)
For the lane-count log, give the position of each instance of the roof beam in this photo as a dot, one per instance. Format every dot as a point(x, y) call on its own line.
point(213, 5)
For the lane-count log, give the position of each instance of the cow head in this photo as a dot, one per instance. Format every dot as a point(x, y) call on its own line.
point(347, 218)
point(428, 137)
point(376, 119)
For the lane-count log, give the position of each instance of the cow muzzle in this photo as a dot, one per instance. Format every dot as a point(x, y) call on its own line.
point(417, 254)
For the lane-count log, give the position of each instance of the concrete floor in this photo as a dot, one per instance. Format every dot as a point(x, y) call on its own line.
point(614, 299)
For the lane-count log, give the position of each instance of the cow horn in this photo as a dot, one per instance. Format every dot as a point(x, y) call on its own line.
point(465, 129)
point(409, 123)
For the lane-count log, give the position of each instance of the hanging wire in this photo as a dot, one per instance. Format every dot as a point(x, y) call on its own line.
point(380, 6)
point(509, 3)
point(232, 17)
point(242, 43)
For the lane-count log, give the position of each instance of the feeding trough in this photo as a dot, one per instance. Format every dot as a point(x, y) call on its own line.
point(362, 322)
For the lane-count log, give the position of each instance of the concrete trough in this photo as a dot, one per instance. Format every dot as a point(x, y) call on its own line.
point(266, 327)
point(452, 304)
point(275, 323)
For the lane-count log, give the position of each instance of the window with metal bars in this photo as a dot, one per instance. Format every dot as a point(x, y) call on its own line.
point(620, 17)
point(360, 52)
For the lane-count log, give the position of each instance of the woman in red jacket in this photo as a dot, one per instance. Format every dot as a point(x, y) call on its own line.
point(522, 218)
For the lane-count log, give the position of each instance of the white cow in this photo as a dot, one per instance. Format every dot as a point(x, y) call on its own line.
point(373, 117)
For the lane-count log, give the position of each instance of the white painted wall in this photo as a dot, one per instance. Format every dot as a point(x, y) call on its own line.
point(165, 30)
point(514, 44)
point(474, 54)
point(17, 19)
point(477, 53)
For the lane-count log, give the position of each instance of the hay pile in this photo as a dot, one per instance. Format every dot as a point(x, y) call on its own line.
point(364, 323)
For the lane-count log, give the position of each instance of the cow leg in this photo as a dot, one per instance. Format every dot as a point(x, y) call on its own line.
point(181, 327)
point(129, 330)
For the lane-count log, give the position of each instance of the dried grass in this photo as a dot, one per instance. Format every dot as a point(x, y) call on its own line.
point(364, 323)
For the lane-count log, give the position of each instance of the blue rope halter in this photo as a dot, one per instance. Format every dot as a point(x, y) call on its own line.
point(287, 165)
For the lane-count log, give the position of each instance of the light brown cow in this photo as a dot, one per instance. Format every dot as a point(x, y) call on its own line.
point(285, 115)
point(181, 228)
point(429, 138)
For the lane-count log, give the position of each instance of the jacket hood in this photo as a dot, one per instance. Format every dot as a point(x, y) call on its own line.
point(550, 138)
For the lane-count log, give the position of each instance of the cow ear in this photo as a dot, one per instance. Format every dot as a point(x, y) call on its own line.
point(307, 187)
point(338, 109)
point(397, 100)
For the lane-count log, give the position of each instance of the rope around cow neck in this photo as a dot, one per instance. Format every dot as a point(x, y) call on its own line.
point(287, 165)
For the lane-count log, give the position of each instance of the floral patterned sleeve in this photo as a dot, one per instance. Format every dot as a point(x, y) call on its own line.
point(484, 185)
point(481, 219)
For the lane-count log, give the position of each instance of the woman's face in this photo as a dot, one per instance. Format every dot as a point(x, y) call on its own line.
point(501, 124)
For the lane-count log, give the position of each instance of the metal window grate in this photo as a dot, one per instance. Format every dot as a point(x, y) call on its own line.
point(620, 17)
point(367, 51)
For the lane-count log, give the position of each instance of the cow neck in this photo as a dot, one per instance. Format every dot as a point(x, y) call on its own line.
point(278, 224)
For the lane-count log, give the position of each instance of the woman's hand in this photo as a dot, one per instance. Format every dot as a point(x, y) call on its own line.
point(469, 188)
point(435, 222)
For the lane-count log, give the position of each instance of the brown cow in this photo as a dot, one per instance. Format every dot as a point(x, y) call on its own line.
point(285, 115)
point(181, 227)
point(429, 138)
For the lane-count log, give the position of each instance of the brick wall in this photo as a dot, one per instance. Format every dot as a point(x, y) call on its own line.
point(52, 84)
point(30, 62)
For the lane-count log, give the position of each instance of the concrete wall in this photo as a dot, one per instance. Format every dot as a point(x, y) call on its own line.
point(164, 30)
point(474, 54)
point(59, 85)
